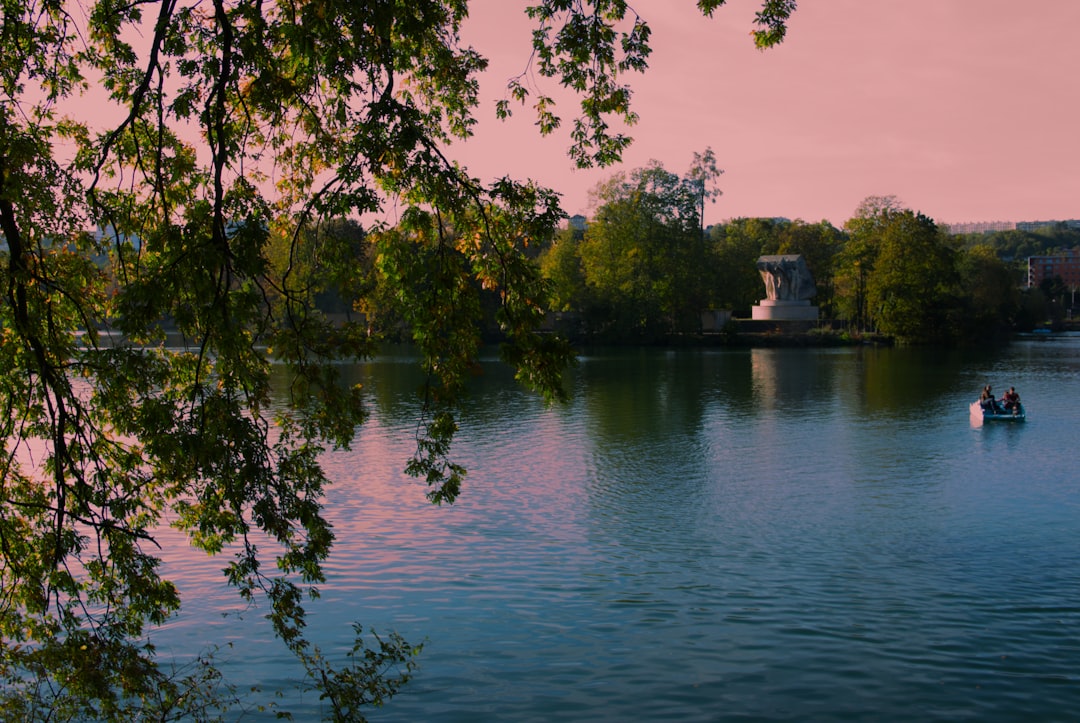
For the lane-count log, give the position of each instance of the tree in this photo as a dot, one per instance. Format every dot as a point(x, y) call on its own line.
point(561, 265)
point(321, 260)
point(819, 244)
point(992, 298)
point(643, 256)
point(1034, 309)
point(1057, 297)
point(704, 172)
point(736, 248)
point(913, 288)
point(621, 268)
point(238, 126)
point(857, 259)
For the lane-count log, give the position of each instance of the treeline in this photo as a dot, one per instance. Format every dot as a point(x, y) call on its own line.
point(644, 269)
point(1018, 244)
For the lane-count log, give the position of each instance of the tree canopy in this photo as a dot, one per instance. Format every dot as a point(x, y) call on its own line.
point(914, 283)
point(233, 135)
point(641, 268)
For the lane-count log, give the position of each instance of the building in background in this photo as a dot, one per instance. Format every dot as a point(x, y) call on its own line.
point(991, 226)
point(980, 227)
point(1066, 265)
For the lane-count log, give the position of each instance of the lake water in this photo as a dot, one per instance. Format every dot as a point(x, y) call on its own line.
point(709, 535)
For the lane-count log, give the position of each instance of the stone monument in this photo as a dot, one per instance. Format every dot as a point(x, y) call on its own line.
point(788, 287)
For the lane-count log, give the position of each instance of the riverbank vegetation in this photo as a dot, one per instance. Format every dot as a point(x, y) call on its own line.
point(638, 270)
point(643, 270)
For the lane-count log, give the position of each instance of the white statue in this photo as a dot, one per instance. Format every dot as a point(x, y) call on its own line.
point(786, 277)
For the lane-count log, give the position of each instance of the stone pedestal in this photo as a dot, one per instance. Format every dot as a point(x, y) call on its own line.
point(784, 310)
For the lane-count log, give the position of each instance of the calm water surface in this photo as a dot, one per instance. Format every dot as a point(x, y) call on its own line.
point(710, 535)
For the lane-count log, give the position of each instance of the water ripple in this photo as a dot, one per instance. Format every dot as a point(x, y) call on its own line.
point(706, 536)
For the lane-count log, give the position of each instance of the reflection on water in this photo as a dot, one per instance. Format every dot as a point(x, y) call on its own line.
point(770, 534)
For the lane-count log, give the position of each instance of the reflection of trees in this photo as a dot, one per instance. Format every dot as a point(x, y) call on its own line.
point(885, 380)
point(906, 380)
point(390, 384)
point(642, 398)
point(636, 397)
point(642, 412)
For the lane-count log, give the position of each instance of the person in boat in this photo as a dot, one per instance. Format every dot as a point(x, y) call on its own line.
point(1011, 400)
point(987, 401)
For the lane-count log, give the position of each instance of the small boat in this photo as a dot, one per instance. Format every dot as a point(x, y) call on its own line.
point(998, 414)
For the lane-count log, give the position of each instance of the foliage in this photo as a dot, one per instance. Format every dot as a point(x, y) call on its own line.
point(857, 260)
point(241, 130)
point(368, 678)
point(900, 274)
point(589, 45)
point(1057, 295)
point(892, 270)
point(704, 172)
point(561, 265)
point(1019, 244)
point(241, 134)
point(1034, 309)
point(913, 284)
point(643, 258)
point(330, 261)
point(990, 292)
point(737, 246)
point(819, 244)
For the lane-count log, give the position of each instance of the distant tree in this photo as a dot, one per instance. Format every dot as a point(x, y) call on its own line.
point(643, 257)
point(872, 210)
point(1034, 309)
point(819, 244)
point(990, 294)
point(1016, 244)
point(912, 291)
point(322, 262)
point(857, 259)
point(1057, 297)
point(737, 245)
point(704, 172)
point(561, 265)
point(1059, 236)
point(620, 260)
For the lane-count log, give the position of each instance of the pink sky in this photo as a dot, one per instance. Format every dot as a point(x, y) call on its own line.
point(967, 110)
